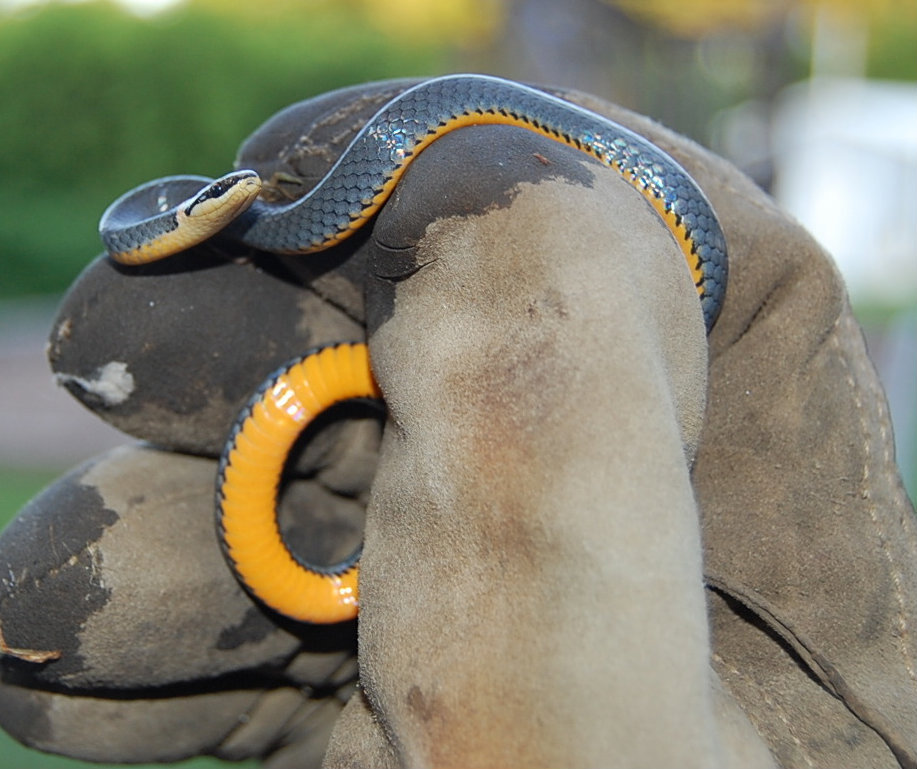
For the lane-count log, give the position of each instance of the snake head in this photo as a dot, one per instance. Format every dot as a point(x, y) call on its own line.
point(226, 198)
point(146, 224)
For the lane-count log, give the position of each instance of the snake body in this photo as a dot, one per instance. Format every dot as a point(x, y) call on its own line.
point(172, 214)
point(249, 476)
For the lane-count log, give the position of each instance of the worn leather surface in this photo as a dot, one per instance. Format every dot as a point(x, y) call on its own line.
point(566, 464)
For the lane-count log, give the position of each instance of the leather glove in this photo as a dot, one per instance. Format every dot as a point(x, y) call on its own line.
point(592, 536)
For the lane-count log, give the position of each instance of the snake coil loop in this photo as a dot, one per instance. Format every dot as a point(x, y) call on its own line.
point(249, 478)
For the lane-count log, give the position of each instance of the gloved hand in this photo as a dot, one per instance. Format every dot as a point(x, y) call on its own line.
point(116, 569)
point(557, 481)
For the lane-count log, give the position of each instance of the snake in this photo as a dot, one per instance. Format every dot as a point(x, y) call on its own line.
point(169, 215)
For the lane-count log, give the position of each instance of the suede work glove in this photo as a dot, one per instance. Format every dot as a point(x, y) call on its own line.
point(593, 536)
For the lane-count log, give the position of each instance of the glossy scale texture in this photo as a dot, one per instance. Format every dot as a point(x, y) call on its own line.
point(366, 173)
point(249, 478)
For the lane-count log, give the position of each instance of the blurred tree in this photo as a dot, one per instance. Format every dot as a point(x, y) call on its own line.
point(686, 63)
point(708, 17)
point(704, 17)
point(96, 100)
point(624, 51)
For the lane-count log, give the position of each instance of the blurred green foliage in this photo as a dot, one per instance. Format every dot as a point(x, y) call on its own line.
point(892, 50)
point(96, 100)
point(18, 486)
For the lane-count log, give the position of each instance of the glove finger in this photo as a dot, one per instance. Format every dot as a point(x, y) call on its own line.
point(117, 567)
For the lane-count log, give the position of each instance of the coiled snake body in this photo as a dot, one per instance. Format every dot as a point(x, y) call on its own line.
point(141, 227)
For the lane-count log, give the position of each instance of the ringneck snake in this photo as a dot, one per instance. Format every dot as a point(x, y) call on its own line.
point(144, 225)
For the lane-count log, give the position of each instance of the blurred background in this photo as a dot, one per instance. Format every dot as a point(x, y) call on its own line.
point(816, 100)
